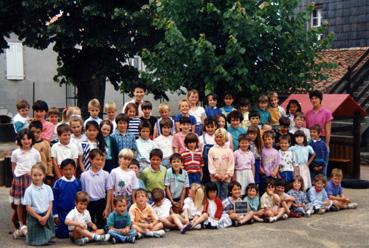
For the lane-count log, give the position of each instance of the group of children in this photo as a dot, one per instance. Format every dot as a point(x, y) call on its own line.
point(132, 175)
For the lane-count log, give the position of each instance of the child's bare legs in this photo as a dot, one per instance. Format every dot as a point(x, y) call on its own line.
point(79, 233)
point(340, 204)
point(246, 218)
point(168, 222)
point(179, 220)
point(258, 215)
point(199, 219)
point(157, 226)
point(279, 213)
point(287, 206)
point(139, 229)
point(20, 214)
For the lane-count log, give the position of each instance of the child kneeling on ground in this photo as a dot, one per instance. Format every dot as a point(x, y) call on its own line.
point(119, 223)
point(81, 229)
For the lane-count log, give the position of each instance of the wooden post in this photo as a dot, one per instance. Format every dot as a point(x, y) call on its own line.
point(357, 142)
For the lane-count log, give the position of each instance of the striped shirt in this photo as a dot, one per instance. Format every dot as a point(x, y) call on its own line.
point(84, 150)
point(133, 126)
point(192, 161)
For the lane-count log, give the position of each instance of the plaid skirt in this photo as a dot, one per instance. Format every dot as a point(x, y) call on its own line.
point(38, 234)
point(19, 186)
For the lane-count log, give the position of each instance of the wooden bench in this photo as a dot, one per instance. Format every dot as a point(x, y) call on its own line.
point(341, 153)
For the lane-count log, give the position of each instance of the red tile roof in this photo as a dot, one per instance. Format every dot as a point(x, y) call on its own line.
point(344, 58)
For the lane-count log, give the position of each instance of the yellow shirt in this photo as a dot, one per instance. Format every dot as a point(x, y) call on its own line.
point(146, 215)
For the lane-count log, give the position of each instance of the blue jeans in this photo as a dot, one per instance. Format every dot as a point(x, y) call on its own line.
point(194, 178)
point(222, 189)
point(121, 238)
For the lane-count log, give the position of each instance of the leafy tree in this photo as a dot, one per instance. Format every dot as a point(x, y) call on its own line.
point(93, 40)
point(246, 47)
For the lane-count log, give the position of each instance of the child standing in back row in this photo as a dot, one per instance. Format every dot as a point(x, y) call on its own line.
point(276, 111)
point(94, 110)
point(164, 140)
point(147, 117)
point(184, 111)
point(228, 104)
point(211, 111)
point(197, 111)
point(21, 119)
point(235, 118)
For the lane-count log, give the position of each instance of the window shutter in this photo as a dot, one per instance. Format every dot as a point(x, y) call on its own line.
point(14, 61)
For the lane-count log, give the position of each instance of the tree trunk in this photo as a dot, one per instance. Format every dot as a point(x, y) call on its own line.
point(89, 89)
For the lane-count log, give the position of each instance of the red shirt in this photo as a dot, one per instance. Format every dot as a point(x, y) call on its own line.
point(192, 161)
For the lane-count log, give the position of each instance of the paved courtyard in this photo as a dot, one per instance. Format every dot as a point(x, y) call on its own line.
point(348, 228)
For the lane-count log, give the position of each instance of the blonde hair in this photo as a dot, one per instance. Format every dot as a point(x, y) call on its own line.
point(76, 118)
point(94, 103)
point(126, 153)
point(336, 173)
point(223, 132)
point(53, 111)
point(183, 101)
point(164, 106)
point(198, 194)
point(110, 105)
point(69, 112)
point(39, 166)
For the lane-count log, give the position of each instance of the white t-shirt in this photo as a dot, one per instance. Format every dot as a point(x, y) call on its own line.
point(163, 211)
point(197, 112)
point(192, 210)
point(212, 208)
point(24, 160)
point(124, 181)
point(92, 145)
point(76, 216)
point(164, 143)
point(61, 152)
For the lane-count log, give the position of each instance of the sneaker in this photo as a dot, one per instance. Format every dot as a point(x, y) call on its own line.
point(139, 236)
point(17, 234)
point(131, 240)
point(102, 238)
point(167, 229)
point(113, 240)
point(24, 230)
point(158, 234)
point(321, 211)
point(197, 227)
point(333, 208)
point(352, 205)
point(285, 217)
point(81, 241)
point(272, 219)
point(186, 228)
point(309, 212)
point(294, 214)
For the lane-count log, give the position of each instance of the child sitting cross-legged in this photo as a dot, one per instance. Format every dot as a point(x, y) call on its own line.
point(119, 223)
point(335, 192)
point(286, 200)
point(300, 206)
point(253, 200)
point(271, 203)
point(81, 228)
point(162, 207)
point(318, 196)
point(144, 219)
point(193, 208)
point(213, 207)
point(234, 190)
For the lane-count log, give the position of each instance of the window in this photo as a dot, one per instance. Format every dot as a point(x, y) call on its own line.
point(14, 61)
point(316, 17)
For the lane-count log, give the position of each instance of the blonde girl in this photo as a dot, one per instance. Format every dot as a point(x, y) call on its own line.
point(70, 112)
point(38, 200)
point(184, 110)
point(76, 127)
point(221, 122)
point(197, 111)
point(193, 207)
point(221, 163)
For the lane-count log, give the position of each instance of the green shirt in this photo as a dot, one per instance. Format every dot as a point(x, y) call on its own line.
point(118, 221)
point(153, 179)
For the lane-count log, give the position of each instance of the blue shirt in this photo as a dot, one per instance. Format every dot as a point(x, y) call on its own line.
point(133, 126)
point(98, 120)
point(317, 198)
point(235, 132)
point(177, 118)
point(254, 203)
point(212, 112)
point(226, 110)
point(264, 116)
point(118, 221)
point(321, 151)
point(125, 140)
point(301, 153)
point(64, 196)
point(38, 197)
point(108, 147)
point(176, 182)
point(333, 189)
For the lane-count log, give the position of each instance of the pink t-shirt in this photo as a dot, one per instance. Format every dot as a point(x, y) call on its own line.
point(322, 117)
point(243, 160)
point(47, 130)
point(178, 141)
